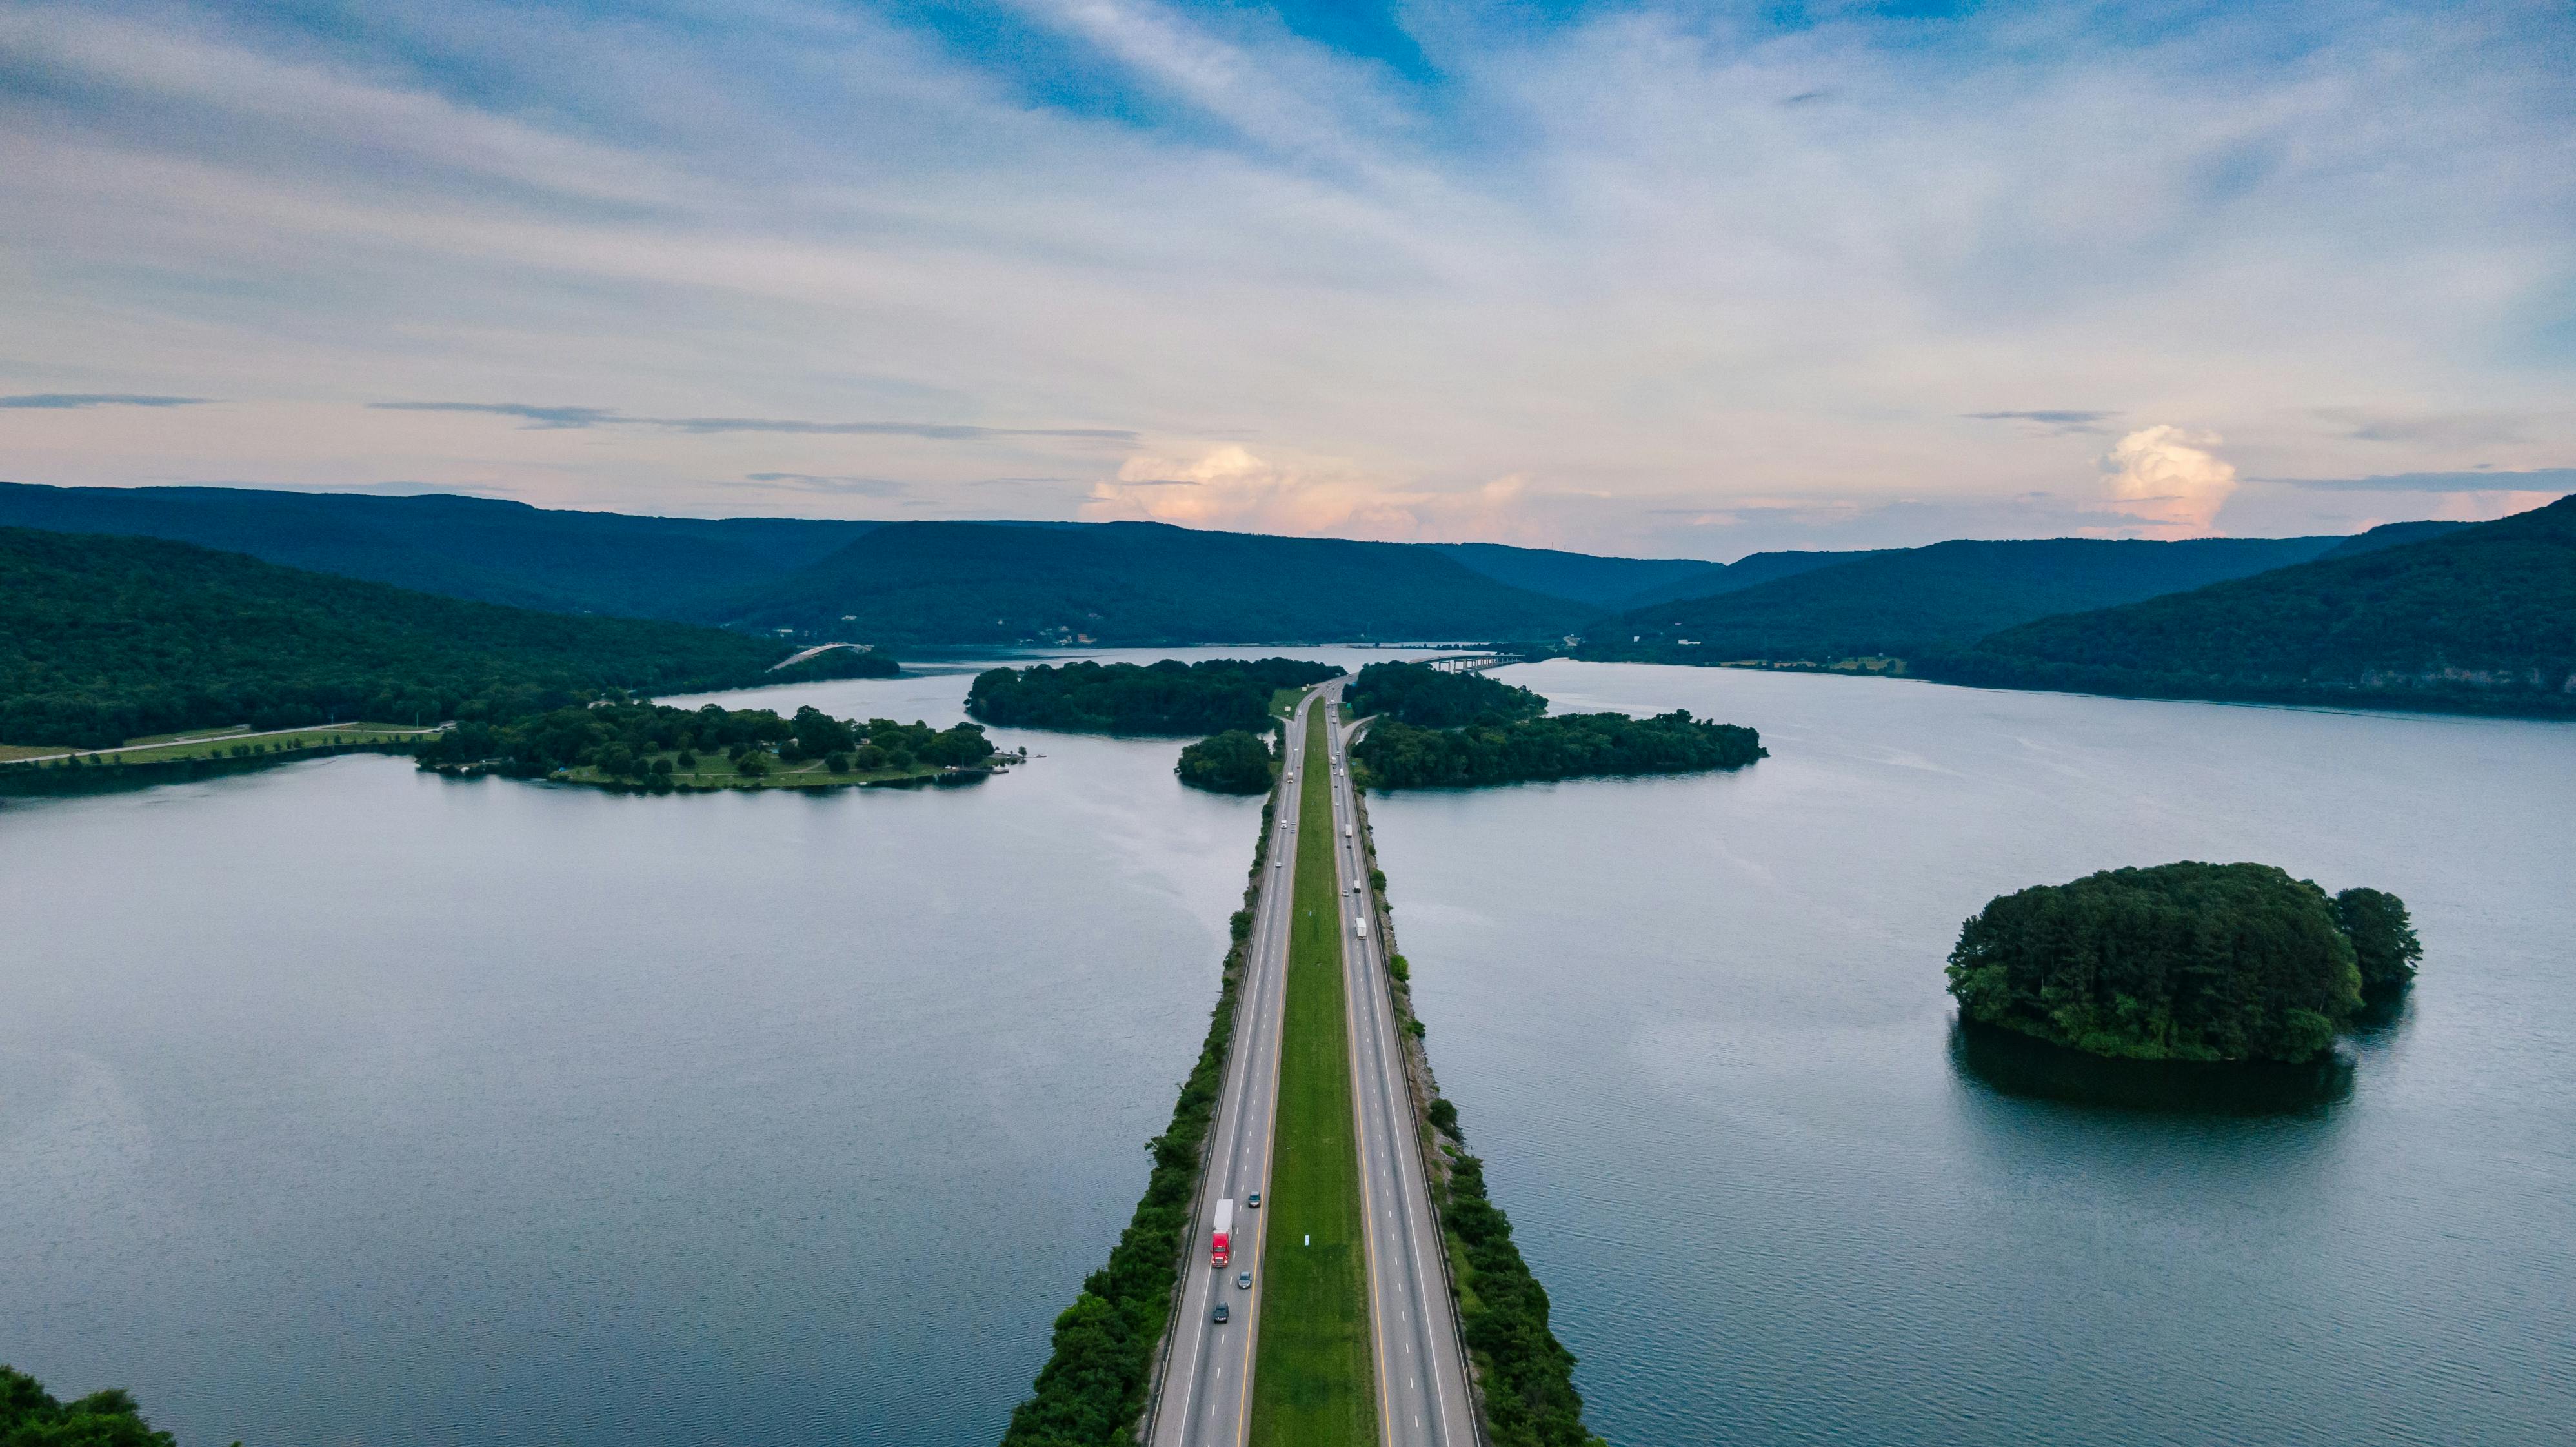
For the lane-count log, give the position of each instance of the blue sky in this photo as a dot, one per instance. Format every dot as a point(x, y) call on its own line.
point(1659, 279)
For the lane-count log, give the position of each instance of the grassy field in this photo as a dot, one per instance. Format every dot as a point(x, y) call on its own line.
point(1312, 1383)
point(230, 743)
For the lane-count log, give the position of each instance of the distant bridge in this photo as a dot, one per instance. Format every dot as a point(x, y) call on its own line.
point(791, 660)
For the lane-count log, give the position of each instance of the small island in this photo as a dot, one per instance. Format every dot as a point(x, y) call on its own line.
point(1169, 697)
point(2185, 962)
point(659, 749)
point(1234, 762)
point(1432, 729)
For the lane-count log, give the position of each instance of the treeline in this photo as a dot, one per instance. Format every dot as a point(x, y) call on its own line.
point(103, 639)
point(1169, 697)
point(1233, 762)
point(1092, 1389)
point(2481, 619)
point(2185, 961)
point(31, 1417)
point(1564, 746)
point(1530, 1397)
point(1427, 697)
point(630, 741)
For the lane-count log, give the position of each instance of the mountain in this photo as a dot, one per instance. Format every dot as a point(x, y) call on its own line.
point(108, 638)
point(1583, 577)
point(2389, 535)
point(1748, 571)
point(1899, 603)
point(1136, 583)
point(2479, 618)
point(464, 547)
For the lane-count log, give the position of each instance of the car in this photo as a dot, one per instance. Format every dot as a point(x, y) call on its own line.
point(1218, 1315)
point(1243, 1281)
point(1252, 1202)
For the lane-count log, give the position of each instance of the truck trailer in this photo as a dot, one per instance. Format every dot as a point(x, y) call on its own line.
point(1218, 1247)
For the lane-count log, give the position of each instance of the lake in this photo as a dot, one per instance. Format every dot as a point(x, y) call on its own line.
point(341, 1103)
point(1697, 1028)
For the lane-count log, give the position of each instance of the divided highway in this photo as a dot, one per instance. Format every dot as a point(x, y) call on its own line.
point(1204, 1396)
point(1422, 1381)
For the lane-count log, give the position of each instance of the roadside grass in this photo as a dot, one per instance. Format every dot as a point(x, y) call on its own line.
point(1283, 701)
point(1313, 1383)
point(234, 743)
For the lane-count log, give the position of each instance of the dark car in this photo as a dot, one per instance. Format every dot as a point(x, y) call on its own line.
point(1252, 1202)
point(1218, 1315)
point(1243, 1280)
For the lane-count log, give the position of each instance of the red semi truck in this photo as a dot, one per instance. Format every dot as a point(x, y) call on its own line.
point(1218, 1250)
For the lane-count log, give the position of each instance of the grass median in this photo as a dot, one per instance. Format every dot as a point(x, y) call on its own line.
point(1312, 1384)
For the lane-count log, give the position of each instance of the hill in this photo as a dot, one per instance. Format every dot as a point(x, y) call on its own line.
point(465, 547)
point(1213, 695)
point(1137, 583)
point(108, 638)
point(2482, 618)
point(1902, 603)
point(1583, 577)
point(1751, 570)
point(2389, 535)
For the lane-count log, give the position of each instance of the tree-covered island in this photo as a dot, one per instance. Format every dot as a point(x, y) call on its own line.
point(1446, 730)
point(1169, 697)
point(658, 748)
point(2183, 961)
point(1233, 762)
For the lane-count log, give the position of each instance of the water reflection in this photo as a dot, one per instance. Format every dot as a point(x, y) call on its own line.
point(2008, 1062)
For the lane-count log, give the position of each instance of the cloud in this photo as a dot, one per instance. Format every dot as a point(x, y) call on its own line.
point(2444, 429)
point(2053, 422)
point(575, 417)
point(1230, 488)
point(48, 401)
point(2535, 480)
point(2167, 478)
point(542, 418)
point(830, 483)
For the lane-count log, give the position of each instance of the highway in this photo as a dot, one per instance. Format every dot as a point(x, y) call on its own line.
point(1206, 1394)
point(1422, 1381)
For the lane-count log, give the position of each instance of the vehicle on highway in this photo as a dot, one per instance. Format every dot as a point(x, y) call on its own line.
point(1243, 1281)
point(1218, 1315)
point(1252, 1202)
point(1346, 832)
point(1217, 1246)
point(1362, 926)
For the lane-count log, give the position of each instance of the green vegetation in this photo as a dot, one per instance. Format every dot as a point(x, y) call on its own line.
point(1169, 697)
point(1527, 1374)
point(1313, 1382)
point(1447, 730)
point(1135, 583)
point(1561, 746)
point(1092, 1389)
point(106, 638)
point(657, 747)
point(1904, 602)
point(1427, 697)
point(2479, 619)
point(31, 1417)
point(1233, 762)
point(2182, 961)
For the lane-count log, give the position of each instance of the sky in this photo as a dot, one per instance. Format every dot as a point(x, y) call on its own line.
point(1675, 280)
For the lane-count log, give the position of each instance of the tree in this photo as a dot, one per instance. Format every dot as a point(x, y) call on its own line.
point(1233, 762)
point(30, 1417)
point(2383, 938)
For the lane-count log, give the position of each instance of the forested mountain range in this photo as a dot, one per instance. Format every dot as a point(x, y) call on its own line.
point(108, 638)
point(1902, 602)
point(1136, 583)
point(2476, 617)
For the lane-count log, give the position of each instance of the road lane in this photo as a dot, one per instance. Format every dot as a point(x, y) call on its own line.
point(1205, 1394)
point(1422, 1377)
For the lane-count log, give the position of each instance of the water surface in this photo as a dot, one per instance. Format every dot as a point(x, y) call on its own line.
point(1697, 1028)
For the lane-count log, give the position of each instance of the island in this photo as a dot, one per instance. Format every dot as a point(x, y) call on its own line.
point(1433, 729)
point(1168, 697)
point(1236, 761)
point(659, 749)
point(2183, 962)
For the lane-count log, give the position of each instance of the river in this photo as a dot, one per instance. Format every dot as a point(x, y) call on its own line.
point(344, 1103)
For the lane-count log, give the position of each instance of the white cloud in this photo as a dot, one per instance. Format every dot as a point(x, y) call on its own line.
point(1230, 488)
point(2169, 479)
